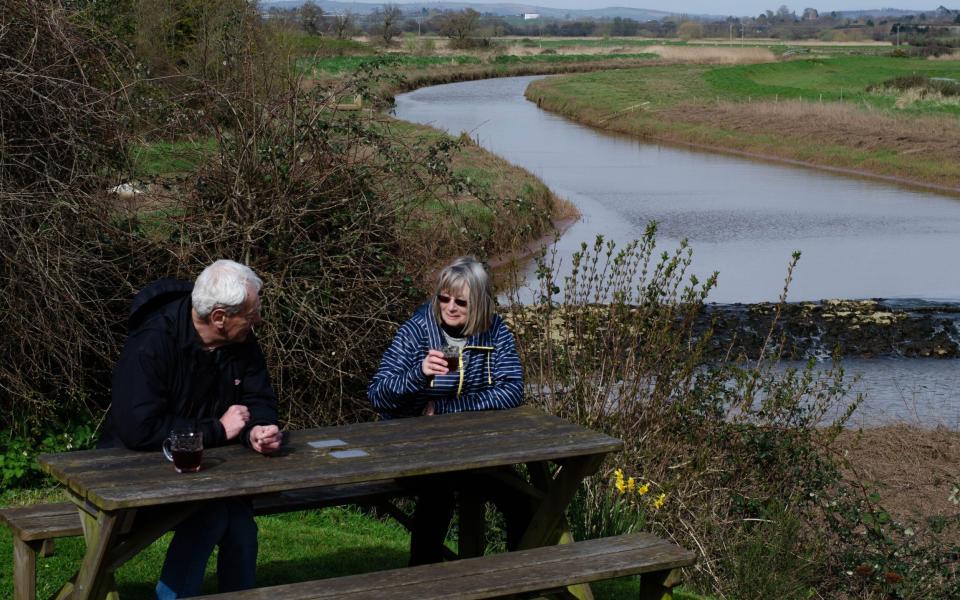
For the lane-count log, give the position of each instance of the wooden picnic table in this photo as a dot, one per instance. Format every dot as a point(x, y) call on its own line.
point(111, 486)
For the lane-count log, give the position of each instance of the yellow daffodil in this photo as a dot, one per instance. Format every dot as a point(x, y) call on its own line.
point(643, 489)
point(658, 503)
point(631, 484)
point(618, 481)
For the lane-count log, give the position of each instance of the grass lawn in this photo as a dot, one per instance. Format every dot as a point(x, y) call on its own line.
point(293, 547)
point(832, 78)
point(165, 158)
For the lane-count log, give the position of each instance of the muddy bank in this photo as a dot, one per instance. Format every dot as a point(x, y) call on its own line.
point(855, 328)
point(912, 469)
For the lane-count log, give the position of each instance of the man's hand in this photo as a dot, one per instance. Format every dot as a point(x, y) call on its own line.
point(234, 420)
point(429, 410)
point(265, 438)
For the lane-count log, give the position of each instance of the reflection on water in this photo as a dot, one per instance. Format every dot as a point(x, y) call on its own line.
point(860, 239)
point(896, 390)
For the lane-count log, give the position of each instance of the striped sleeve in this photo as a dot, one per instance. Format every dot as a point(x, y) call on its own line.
point(507, 374)
point(399, 379)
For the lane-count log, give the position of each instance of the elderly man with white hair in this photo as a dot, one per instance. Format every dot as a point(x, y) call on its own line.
point(192, 363)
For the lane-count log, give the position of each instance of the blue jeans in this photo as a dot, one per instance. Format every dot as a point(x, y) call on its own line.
point(226, 523)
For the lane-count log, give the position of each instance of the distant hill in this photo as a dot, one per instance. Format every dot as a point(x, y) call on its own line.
point(509, 9)
point(500, 9)
point(875, 13)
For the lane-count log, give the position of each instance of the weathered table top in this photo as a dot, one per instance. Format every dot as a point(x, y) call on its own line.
point(123, 479)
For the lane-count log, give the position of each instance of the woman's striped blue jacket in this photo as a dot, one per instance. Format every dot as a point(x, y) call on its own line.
point(493, 378)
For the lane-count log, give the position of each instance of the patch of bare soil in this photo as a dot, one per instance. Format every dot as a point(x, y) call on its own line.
point(912, 469)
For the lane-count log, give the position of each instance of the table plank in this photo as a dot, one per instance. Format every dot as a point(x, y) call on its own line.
point(385, 462)
point(118, 479)
point(463, 424)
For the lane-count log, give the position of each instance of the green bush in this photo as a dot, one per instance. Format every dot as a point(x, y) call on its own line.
point(18, 467)
point(713, 447)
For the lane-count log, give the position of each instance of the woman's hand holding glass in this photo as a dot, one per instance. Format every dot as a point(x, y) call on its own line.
point(434, 364)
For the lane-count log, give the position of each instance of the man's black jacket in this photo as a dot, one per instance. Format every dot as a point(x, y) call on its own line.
point(165, 381)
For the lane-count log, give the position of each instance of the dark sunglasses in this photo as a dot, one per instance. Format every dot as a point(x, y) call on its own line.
point(443, 299)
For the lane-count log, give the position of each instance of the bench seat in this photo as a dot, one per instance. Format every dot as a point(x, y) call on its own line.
point(35, 527)
point(550, 568)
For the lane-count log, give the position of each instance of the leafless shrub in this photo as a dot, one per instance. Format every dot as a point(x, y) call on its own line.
point(315, 200)
point(58, 100)
point(63, 258)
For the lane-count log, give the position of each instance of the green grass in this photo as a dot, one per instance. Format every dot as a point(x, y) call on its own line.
point(166, 158)
point(614, 90)
point(832, 78)
point(347, 64)
point(293, 547)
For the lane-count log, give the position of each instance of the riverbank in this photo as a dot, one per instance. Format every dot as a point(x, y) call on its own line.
point(834, 113)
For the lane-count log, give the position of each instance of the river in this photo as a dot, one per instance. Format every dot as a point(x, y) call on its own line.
point(859, 238)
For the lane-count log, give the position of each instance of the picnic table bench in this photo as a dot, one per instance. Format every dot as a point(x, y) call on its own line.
point(549, 569)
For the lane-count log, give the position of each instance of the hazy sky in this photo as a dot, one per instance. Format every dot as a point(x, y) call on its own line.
point(736, 7)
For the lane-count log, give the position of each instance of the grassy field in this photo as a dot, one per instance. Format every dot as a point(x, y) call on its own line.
point(832, 112)
point(836, 79)
point(293, 547)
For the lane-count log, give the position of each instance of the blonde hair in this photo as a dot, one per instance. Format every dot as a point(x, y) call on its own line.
point(467, 272)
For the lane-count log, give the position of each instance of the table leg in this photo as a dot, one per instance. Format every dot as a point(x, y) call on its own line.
point(545, 526)
point(111, 542)
point(659, 585)
point(548, 525)
point(101, 531)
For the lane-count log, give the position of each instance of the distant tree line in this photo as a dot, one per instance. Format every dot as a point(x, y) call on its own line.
point(390, 21)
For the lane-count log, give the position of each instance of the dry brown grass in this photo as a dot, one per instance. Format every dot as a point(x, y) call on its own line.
point(779, 42)
point(954, 56)
point(713, 55)
point(832, 123)
point(912, 468)
point(575, 50)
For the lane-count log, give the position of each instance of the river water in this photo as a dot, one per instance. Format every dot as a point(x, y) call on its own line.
point(743, 218)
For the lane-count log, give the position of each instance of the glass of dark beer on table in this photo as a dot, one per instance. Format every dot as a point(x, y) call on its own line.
point(185, 449)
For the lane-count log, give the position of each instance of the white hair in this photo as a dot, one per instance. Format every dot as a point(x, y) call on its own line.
point(223, 285)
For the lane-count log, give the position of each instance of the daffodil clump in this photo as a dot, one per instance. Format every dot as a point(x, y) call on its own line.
point(631, 491)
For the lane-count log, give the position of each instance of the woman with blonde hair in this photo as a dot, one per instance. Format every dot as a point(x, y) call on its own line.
point(455, 354)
